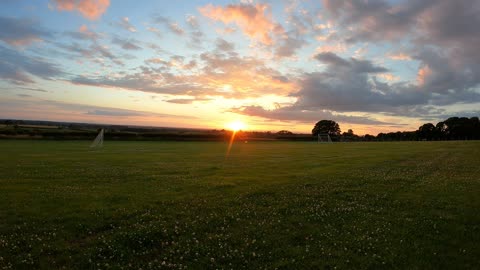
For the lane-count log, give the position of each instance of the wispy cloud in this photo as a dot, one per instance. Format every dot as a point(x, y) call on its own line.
point(19, 68)
point(21, 31)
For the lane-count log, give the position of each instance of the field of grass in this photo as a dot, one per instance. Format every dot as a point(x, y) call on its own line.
point(285, 205)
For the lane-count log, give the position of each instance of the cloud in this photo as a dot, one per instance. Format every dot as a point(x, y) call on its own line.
point(389, 77)
point(251, 19)
point(373, 20)
point(94, 52)
point(292, 114)
point(334, 48)
point(185, 100)
point(357, 66)
point(399, 56)
point(114, 112)
point(30, 89)
point(214, 73)
point(125, 24)
point(289, 45)
point(84, 33)
point(126, 44)
point(21, 32)
point(18, 68)
point(24, 108)
point(170, 25)
point(440, 73)
point(300, 26)
point(442, 36)
point(223, 45)
point(350, 85)
point(195, 32)
point(90, 9)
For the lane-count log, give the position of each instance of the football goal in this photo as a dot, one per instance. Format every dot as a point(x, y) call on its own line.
point(98, 142)
point(324, 138)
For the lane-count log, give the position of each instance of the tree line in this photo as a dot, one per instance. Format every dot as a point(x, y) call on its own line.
point(454, 128)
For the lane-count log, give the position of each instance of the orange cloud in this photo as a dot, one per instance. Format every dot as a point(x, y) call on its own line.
point(251, 19)
point(400, 56)
point(90, 9)
point(389, 77)
point(337, 48)
point(423, 74)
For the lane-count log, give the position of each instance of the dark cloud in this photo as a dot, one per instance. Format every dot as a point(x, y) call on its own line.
point(288, 46)
point(21, 31)
point(223, 45)
point(358, 66)
point(443, 35)
point(351, 85)
point(19, 68)
point(374, 20)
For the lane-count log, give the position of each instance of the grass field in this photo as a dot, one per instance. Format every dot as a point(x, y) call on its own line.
point(151, 205)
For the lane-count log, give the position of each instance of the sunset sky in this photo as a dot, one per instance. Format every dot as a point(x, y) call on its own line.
point(372, 66)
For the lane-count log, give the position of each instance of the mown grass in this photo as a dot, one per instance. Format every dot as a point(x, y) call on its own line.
point(151, 205)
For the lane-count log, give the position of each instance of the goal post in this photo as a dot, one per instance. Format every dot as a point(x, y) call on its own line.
point(98, 142)
point(324, 138)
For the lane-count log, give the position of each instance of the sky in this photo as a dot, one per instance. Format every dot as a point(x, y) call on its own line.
point(370, 65)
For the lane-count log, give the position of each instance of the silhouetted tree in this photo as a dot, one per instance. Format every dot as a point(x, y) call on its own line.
point(427, 131)
point(460, 128)
point(329, 127)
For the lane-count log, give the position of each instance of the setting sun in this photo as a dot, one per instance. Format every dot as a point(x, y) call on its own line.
point(236, 126)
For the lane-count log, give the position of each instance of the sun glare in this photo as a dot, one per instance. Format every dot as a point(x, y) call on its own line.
point(236, 126)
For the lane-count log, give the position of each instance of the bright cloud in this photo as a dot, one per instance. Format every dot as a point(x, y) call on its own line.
point(90, 9)
point(251, 19)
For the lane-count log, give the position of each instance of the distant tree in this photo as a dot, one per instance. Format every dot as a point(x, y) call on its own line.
point(329, 127)
point(368, 137)
point(349, 136)
point(284, 132)
point(475, 126)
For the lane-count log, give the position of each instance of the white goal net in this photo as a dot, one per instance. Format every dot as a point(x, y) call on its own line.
point(98, 142)
point(324, 138)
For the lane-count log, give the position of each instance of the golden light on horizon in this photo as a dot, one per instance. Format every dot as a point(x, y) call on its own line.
point(236, 126)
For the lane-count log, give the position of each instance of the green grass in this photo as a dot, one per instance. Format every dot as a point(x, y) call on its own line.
point(150, 205)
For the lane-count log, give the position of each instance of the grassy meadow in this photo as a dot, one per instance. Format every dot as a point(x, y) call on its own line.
point(285, 205)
